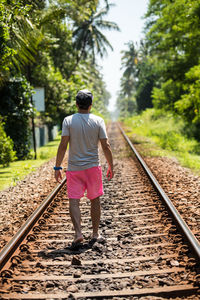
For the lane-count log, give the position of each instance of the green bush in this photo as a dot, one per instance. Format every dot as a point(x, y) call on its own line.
point(6, 147)
point(163, 134)
point(166, 95)
point(164, 129)
point(189, 104)
point(16, 110)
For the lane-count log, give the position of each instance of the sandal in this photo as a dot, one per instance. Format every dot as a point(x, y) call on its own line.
point(75, 245)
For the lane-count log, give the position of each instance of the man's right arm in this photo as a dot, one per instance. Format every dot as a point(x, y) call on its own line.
point(108, 154)
point(60, 155)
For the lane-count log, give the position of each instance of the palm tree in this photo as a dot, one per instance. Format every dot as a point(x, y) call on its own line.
point(19, 38)
point(129, 64)
point(88, 39)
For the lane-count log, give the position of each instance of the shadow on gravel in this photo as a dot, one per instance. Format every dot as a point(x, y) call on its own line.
point(81, 248)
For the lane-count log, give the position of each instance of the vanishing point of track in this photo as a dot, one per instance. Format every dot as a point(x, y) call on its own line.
point(145, 251)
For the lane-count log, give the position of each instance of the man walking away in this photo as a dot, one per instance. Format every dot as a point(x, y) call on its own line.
point(83, 131)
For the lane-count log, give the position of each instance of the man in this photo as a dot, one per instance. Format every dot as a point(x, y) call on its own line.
point(83, 131)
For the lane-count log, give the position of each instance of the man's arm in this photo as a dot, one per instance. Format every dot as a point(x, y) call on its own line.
point(108, 154)
point(60, 155)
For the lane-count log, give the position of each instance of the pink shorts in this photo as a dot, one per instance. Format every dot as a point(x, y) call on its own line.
point(80, 181)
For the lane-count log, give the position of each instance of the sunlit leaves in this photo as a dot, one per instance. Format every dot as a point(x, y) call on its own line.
point(136, 81)
point(18, 36)
point(173, 37)
point(128, 64)
point(189, 104)
point(36, 41)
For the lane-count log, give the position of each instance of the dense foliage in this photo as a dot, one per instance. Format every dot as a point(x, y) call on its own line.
point(126, 101)
point(137, 80)
point(6, 146)
point(166, 71)
point(160, 133)
point(16, 110)
point(51, 44)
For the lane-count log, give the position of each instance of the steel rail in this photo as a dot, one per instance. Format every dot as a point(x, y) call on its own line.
point(10, 248)
point(191, 239)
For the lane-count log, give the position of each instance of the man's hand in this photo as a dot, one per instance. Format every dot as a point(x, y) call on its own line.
point(110, 173)
point(108, 154)
point(60, 155)
point(58, 176)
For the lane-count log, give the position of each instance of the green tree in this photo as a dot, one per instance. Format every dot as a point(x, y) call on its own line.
point(129, 64)
point(126, 101)
point(145, 78)
point(88, 37)
point(37, 42)
point(137, 80)
point(174, 42)
point(125, 106)
point(57, 55)
point(189, 104)
point(19, 37)
point(16, 111)
point(56, 60)
point(7, 154)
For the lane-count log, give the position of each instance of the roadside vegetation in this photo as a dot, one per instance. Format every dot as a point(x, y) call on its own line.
point(159, 96)
point(50, 44)
point(17, 170)
point(161, 134)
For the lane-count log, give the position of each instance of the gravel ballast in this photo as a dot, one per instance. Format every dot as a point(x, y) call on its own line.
point(18, 202)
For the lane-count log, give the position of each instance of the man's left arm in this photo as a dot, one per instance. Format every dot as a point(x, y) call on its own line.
point(60, 155)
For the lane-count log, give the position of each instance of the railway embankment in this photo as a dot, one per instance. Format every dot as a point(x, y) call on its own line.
point(141, 254)
point(19, 201)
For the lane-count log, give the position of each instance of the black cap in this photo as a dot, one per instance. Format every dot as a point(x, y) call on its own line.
point(84, 99)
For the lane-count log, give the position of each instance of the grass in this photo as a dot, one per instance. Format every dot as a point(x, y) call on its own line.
point(19, 169)
point(161, 134)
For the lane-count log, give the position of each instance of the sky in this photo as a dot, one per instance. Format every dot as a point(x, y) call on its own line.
point(128, 15)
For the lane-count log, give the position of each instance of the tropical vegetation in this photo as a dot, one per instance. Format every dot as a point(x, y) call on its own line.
point(51, 44)
point(163, 72)
point(160, 133)
point(6, 147)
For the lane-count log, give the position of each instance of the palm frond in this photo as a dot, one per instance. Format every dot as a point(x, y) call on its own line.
point(107, 25)
point(89, 39)
point(103, 11)
point(53, 13)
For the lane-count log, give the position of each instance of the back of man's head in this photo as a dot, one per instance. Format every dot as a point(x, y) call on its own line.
point(84, 99)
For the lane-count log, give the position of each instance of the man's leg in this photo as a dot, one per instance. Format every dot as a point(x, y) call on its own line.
point(75, 215)
point(95, 216)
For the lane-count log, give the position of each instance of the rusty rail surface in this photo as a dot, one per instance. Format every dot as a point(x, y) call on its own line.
point(146, 244)
point(9, 249)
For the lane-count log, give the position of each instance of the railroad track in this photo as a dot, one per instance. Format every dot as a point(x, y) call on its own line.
point(145, 252)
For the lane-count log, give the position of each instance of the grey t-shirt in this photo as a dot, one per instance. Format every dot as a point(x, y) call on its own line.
point(84, 131)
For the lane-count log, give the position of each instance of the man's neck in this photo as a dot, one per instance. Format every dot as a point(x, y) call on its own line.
point(83, 111)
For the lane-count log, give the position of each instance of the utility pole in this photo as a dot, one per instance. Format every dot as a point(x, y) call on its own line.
point(33, 132)
point(32, 118)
